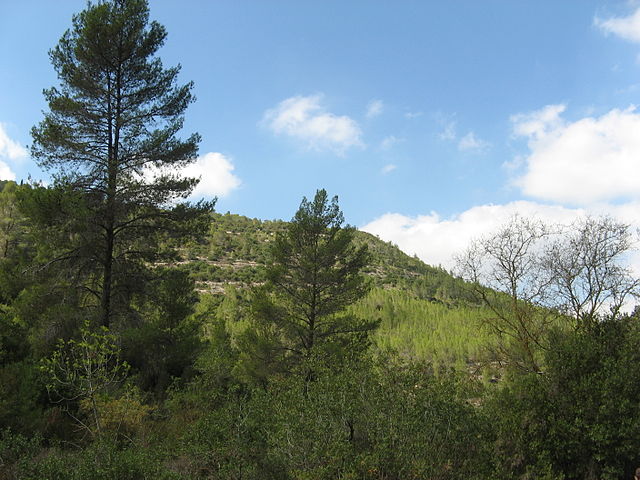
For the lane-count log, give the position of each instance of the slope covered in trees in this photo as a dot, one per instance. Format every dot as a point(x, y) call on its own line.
point(424, 312)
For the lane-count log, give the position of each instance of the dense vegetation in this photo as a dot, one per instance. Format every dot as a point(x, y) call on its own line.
point(145, 338)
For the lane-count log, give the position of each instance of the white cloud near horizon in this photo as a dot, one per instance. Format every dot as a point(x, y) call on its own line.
point(576, 168)
point(9, 150)
point(436, 240)
point(306, 119)
point(591, 160)
point(627, 27)
point(374, 108)
point(5, 172)
point(216, 175)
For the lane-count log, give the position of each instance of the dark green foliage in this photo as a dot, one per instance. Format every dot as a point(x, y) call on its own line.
point(110, 138)
point(314, 274)
point(580, 418)
point(100, 461)
point(22, 397)
point(373, 420)
point(166, 341)
point(230, 443)
point(16, 453)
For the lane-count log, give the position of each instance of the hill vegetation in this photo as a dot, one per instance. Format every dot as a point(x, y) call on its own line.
point(425, 313)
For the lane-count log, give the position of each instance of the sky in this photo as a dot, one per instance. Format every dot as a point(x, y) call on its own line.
point(433, 121)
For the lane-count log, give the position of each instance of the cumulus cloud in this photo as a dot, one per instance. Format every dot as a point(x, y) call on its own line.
point(10, 148)
point(390, 167)
point(627, 27)
point(306, 119)
point(471, 143)
point(374, 108)
point(594, 159)
point(436, 240)
point(216, 176)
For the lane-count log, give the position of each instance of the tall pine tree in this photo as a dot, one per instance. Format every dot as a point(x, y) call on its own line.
point(110, 138)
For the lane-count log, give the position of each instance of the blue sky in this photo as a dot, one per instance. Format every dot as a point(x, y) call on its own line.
point(431, 120)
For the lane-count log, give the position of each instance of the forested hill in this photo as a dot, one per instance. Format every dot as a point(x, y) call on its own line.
point(424, 311)
point(237, 249)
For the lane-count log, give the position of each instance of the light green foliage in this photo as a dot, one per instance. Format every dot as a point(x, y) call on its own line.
point(419, 329)
point(81, 370)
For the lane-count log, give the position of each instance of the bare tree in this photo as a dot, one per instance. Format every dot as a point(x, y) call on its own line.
point(530, 275)
point(587, 272)
point(503, 272)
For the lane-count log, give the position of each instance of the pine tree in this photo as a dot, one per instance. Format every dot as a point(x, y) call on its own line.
point(313, 276)
point(111, 139)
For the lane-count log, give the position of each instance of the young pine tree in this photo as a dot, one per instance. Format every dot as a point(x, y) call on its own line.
point(313, 276)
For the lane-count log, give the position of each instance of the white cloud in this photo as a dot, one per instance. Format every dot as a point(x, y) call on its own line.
point(471, 143)
point(592, 160)
point(413, 114)
point(388, 142)
point(216, 177)
point(449, 131)
point(11, 150)
point(537, 124)
point(374, 108)
point(5, 172)
point(436, 240)
point(305, 119)
point(388, 168)
point(627, 28)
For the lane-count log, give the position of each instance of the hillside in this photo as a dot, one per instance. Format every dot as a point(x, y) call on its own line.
point(424, 311)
